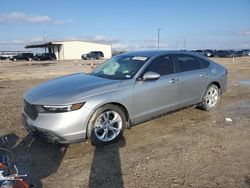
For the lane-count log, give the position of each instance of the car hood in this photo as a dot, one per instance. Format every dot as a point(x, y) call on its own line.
point(70, 89)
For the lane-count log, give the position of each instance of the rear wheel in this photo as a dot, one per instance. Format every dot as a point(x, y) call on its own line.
point(106, 125)
point(211, 98)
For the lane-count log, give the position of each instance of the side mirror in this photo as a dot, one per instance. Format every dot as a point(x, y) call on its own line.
point(151, 76)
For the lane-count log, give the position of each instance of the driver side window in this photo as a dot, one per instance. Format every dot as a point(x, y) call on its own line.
point(162, 65)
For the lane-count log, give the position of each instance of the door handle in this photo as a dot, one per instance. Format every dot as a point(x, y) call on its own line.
point(202, 74)
point(173, 80)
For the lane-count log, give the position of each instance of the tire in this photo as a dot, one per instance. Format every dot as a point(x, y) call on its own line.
point(100, 129)
point(211, 98)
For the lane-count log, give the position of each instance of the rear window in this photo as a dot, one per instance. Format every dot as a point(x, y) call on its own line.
point(185, 62)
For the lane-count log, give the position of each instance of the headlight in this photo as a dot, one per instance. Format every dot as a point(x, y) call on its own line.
point(61, 108)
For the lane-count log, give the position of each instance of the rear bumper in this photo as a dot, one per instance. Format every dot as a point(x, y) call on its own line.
point(223, 84)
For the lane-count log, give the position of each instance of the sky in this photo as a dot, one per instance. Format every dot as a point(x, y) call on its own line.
point(127, 25)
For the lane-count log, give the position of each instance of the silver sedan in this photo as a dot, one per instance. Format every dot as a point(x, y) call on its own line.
point(125, 90)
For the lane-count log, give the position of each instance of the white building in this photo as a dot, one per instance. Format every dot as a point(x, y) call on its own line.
point(65, 50)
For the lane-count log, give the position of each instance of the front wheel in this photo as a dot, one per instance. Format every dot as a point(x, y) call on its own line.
point(211, 98)
point(106, 125)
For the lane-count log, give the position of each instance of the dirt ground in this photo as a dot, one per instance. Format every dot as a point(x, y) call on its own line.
point(188, 148)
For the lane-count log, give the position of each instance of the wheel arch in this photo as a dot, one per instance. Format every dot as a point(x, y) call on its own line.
point(123, 108)
point(210, 83)
point(201, 104)
point(215, 83)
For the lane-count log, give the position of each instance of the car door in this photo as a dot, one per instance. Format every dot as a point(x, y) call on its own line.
point(155, 97)
point(193, 78)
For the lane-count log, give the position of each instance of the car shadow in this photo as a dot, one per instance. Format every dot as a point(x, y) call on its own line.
point(35, 157)
point(106, 166)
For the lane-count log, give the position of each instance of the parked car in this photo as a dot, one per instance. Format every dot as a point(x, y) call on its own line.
point(200, 52)
point(238, 53)
point(2, 57)
point(93, 55)
point(45, 56)
point(224, 53)
point(23, 56)
point(246, 52)
point(128, 89)
point(209, 53)
point(5, 56)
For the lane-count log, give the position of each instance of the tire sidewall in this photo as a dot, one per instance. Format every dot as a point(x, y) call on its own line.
point(204, 104)
point(90, 129)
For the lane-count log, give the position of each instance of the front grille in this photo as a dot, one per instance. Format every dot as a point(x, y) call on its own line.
point(30, 110)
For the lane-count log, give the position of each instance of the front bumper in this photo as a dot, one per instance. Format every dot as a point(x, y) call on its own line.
point(65, 128)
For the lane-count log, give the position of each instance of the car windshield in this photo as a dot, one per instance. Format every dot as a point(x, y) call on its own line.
point(120, 67)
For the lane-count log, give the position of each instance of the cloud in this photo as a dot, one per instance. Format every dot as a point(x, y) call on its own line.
point(97, 39)
point(12, 42)
point(147, 44)
point(22, 17)
point(117, 44)
point(18, 44)
point(245, 33)
point(11, 45)
point(104, 39)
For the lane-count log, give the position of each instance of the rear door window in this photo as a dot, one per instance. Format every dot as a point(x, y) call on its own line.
point(184, 62)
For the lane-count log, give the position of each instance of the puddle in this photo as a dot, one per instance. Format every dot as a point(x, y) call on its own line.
point(244, 82)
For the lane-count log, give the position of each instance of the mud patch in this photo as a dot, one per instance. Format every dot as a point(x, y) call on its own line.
point(44, 64)
point(247, 180)
point(4, 87)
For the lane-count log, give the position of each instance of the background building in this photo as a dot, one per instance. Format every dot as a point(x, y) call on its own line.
point(65, 50)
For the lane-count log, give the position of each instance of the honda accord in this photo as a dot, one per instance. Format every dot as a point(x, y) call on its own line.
point(125, 90)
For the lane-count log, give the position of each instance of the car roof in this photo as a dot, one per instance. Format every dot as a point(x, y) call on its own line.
point(153, 53)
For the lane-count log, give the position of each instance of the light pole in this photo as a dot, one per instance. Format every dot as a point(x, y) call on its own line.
point(158, 31)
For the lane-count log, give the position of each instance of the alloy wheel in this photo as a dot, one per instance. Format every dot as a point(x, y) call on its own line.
point(212, 96)
point(108, 126)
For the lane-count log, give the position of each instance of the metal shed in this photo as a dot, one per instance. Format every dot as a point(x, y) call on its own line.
point(65, 50)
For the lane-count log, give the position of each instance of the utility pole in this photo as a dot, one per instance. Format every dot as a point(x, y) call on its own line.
point(45, 40)
point(158, 31)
